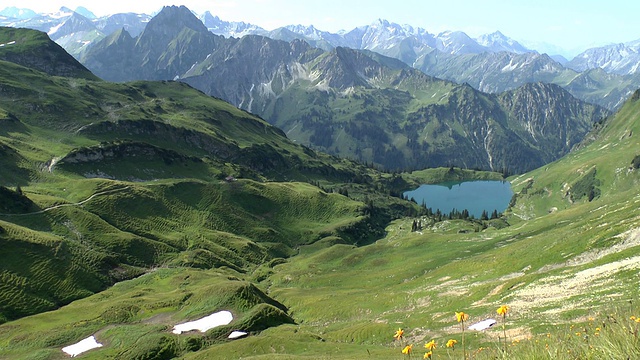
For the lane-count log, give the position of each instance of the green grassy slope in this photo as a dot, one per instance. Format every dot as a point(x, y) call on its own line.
point(553, 269)
point(121, 229)
point(116, 179)
point(134, 319)
point(566, 266)
point(609, 155)
point(36, 50)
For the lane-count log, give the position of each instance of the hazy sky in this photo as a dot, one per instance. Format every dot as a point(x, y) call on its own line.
point(570, 24)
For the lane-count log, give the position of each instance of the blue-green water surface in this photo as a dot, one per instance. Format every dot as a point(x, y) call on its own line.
point(474, 196)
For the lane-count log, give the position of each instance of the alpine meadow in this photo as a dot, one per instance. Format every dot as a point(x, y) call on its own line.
point(175, 186)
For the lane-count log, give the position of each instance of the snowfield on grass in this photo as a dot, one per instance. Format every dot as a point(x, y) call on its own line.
point(208, 322)
point(82, 346)
point(483, 325)
point(237, 334)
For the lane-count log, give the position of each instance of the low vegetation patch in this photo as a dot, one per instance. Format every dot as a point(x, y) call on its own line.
point(635, 164)
point(586, 186)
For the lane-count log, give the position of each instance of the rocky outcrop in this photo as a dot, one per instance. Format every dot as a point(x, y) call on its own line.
point(119, 150)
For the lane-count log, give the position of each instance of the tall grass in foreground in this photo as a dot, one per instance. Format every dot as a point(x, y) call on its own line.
point(607, 336)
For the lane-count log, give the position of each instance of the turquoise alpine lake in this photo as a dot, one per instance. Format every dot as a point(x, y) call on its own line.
point(475, 196)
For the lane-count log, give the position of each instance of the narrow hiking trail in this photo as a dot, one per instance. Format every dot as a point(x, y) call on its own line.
point(70, 204)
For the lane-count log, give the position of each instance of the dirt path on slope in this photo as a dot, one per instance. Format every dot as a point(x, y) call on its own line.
point(70, 204)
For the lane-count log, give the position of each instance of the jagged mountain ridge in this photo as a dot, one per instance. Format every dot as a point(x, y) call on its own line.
point(378, 36)
point(502, 71)
point(415, 46)
point(74, 31)
point(621, 59)
point(298, 88)
point(172, 43)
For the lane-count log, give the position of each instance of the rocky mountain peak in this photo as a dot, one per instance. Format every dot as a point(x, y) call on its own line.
point(497, 41)
point(85, 12)
point(73, 24)
point(171, 20)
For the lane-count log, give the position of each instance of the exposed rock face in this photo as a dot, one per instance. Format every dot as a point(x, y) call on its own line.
point(148, 129)
point(122, 150)
point(549, 116)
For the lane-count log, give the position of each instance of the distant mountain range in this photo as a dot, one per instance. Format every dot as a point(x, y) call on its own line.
point(74, 30)
point(490, 63)
point(622, 59)
point(381, 36)
point(353, 103)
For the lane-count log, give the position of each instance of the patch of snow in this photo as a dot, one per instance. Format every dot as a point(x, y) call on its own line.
point(483, 325)
point(60, 14)
point(293, 128)
point(206, 323)
point(54, 29)
point(237, 334)
point(510, 67)
point(82, 346)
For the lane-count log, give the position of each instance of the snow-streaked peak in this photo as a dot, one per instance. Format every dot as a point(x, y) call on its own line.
point(64, 12)
point(229, 28)
point(497, 42)
point(619, 59)
point(458, 42)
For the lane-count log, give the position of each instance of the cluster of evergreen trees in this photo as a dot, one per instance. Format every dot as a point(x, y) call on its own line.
point(456, 214)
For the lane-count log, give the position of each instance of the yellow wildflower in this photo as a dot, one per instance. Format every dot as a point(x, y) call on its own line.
point(407, 349)
point(428, 355)
point(451, 343)
point(398, 334)
point(430, 345)
point(633, 318)
point(502, 310)
point(461, 316)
